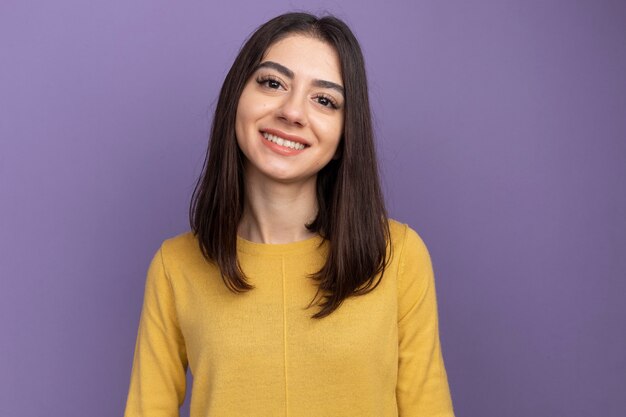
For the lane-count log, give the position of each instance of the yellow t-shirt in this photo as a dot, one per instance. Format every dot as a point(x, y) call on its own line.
point(259, 353)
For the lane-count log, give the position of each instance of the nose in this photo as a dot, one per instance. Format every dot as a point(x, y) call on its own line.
point(293, 109)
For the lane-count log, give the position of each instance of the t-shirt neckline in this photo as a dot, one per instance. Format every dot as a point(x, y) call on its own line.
point(301, 246)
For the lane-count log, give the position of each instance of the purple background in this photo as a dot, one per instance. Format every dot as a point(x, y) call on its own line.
point(502, 135)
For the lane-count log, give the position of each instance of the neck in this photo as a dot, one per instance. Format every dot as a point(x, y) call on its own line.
point(276, 212)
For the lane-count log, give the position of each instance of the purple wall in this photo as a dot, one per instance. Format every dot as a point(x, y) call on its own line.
point(502, 128)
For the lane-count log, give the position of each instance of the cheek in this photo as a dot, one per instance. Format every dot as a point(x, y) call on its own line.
point(328, 127)
point(242, 107)
point(249, 110)
point(243, 118)
point(333, 132)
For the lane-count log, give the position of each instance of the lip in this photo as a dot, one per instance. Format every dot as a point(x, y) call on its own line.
point(281, 150)
point(284, 135)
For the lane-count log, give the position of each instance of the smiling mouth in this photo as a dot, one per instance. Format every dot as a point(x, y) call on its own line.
point(283, 142)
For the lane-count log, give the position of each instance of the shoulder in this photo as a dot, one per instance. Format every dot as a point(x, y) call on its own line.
point(410, 254)
point(180, 242)
point(182, 249)
point(415, 272)
point(404, 239)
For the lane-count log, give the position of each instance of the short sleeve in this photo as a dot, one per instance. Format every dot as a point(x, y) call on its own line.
point(422, 389)
point(158, 377)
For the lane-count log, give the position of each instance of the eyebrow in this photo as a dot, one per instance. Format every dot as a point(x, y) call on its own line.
point(289, 74)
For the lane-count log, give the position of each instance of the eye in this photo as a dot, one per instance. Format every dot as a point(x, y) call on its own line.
point(269, 82)
point(326, 101)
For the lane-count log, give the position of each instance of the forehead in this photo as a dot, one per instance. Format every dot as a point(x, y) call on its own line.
point(307, 57)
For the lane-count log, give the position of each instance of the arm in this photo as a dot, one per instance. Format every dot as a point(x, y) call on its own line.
point(157, 384)
point(422, 388)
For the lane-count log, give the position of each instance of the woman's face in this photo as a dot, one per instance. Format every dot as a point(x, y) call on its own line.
point(290, 113)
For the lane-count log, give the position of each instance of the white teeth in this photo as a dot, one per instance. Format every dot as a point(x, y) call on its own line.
point(283, 142)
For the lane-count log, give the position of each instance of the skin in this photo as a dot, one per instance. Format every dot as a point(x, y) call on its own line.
point(305, 103)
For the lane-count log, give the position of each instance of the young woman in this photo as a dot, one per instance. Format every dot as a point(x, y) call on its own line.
point(293, 294)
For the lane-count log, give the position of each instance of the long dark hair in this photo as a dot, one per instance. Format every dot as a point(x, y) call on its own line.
point(351, 216)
